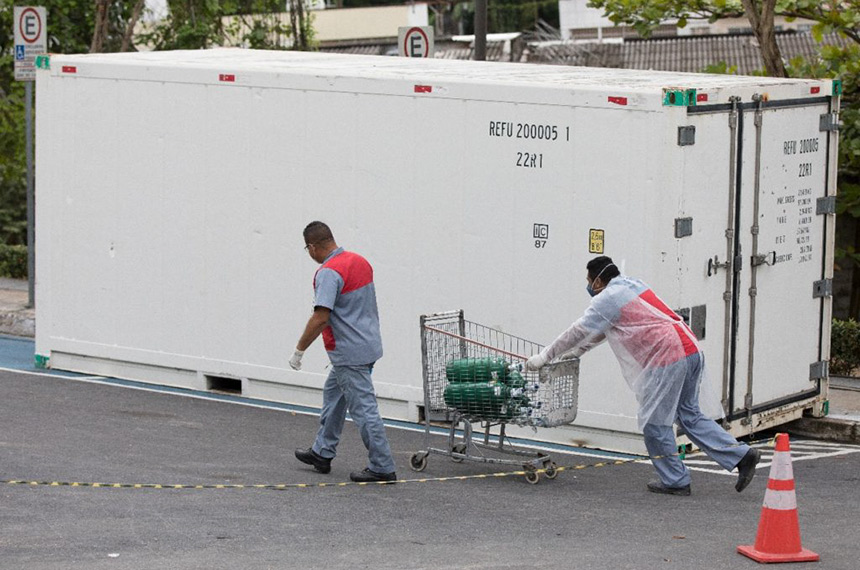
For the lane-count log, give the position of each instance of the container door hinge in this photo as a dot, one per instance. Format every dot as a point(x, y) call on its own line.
point(829, 122)
point(819, 370)
point(823, 288)
point(826, 205)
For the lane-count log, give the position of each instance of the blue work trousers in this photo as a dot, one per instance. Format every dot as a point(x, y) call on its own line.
point(705, 433)
point(349, 389)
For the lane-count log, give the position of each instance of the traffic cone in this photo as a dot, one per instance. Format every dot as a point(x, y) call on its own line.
point(778, 538)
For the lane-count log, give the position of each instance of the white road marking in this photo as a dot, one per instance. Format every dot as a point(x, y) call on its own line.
point(801, 450)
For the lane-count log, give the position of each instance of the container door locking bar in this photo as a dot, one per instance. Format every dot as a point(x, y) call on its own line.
point(764, 259)
point(756, 258)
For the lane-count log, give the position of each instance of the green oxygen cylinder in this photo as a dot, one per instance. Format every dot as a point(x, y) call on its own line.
point(477, 370)
point(486, 400)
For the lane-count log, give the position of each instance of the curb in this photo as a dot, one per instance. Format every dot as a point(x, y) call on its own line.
point(18, 323)
point(829, 429)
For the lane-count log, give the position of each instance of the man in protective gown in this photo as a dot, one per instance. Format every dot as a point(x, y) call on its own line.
point(661, 360)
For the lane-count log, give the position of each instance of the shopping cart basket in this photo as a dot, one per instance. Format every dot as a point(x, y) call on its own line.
point(473, 374)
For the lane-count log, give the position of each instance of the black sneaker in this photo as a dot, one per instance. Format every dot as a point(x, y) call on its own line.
point(659, 487)
point(368, 476)
point(746, 469)
point(309, 456)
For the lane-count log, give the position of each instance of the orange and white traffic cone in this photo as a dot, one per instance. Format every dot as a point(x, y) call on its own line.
point(778, 538)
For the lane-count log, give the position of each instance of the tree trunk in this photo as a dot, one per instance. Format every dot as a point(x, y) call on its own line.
point(129, 30)
point(101, 26)
point(303, 38)
point(854, 306)
point(294, 25)
point(760, 14)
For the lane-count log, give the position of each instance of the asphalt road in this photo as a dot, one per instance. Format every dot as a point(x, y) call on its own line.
point(55, 429)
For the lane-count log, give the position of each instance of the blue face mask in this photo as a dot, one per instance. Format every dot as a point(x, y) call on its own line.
point(590, 290)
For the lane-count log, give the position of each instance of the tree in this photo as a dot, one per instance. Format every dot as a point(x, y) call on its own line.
point(200, 24)
point(645, 15)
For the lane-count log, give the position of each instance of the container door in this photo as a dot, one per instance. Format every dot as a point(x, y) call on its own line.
point(782, 247)
point(703, 232)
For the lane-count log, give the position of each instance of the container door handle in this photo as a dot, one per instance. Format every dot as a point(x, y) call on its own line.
point(714, 265)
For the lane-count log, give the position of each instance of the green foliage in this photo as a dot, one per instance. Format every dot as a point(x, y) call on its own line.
point(200, 24)
point(13, 261)
point(517, 15)
point(508, 15)
point(645, 15)
point(721, 68)
point(844, 347)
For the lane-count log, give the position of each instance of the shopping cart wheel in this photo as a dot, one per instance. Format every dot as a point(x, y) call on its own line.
point(418, 461)
point(551, 470)
point(532, 477)
point(459, 448)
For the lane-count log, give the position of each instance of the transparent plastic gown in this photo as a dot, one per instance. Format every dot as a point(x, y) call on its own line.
point(652, 345)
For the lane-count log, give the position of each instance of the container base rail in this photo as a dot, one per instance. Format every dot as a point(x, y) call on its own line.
point(473, 375)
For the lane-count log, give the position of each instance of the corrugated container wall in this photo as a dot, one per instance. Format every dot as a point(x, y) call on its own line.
point(173, 188)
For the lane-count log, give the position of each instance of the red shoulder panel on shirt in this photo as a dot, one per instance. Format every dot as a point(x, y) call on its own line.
point(355, 271)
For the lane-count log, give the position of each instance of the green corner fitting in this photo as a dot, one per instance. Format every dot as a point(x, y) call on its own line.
point(679, 97)
point(42, 360)
point(837, 87)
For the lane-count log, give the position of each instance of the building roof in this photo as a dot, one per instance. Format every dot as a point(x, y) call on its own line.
point(683, 53)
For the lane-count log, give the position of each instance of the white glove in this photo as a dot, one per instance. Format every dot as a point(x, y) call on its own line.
point(296, 360)
point(534, 363)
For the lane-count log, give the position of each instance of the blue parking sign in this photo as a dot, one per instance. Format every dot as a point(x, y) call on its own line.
point(19, 53)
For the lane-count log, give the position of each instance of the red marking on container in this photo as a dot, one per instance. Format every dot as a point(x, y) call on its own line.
point(618, 100)
point(424, 89)
point(814, 90)
point(70, 69)
point(227, 77)
point(701, 98)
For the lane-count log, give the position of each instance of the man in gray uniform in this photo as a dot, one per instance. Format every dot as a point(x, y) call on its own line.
point(346, 315)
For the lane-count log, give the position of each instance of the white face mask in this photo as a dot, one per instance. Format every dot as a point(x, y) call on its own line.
point(589, 288)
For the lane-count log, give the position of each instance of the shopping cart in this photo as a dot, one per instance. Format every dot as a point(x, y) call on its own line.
point(473, 374)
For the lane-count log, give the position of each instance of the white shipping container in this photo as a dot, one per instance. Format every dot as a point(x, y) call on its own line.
point(173, 188)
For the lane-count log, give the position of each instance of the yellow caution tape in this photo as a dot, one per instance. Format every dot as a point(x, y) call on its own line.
point(284, 486)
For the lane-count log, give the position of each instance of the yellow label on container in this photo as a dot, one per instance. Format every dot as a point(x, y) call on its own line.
point(595, 241)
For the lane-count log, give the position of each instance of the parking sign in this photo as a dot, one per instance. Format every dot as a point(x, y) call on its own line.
point(415, 41)
point(30, 30)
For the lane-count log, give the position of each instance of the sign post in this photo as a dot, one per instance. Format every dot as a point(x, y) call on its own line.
point(415, 41)
point(30, 32)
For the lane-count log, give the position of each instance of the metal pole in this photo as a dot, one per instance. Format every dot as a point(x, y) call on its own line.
point(480, 30)
point(31, 206)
